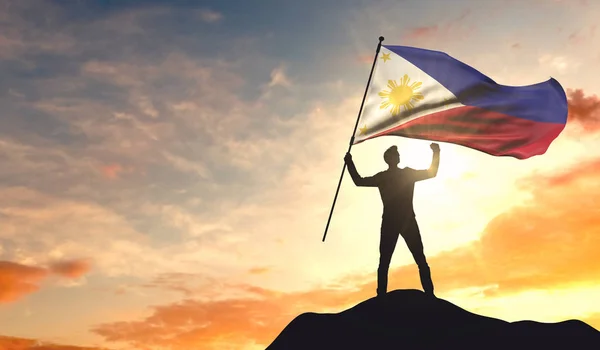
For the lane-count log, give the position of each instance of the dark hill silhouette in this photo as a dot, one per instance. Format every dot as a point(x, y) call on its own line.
point(409, 319)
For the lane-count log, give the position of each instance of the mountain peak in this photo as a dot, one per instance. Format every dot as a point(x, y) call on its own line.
point(410, 319)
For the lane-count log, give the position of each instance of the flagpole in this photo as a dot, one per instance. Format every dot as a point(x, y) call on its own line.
point(353, 133)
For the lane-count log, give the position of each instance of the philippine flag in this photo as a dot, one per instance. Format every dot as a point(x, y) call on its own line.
point(425, 94)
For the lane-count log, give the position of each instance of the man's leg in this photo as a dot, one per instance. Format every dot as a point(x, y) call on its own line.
point(387, 244)
point(412, 237)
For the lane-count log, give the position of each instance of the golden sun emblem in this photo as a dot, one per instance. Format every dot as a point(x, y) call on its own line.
point(401, 95)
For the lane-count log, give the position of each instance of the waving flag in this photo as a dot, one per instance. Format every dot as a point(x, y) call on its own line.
point(429, 95)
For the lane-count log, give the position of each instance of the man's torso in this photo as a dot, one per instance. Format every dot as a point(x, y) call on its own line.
point(396, 188)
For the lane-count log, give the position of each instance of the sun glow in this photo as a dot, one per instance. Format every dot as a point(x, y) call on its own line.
point(454, 161)
point(401, 95)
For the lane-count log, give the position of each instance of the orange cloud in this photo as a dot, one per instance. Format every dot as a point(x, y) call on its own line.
point(549, 242)
point(17, 280)
point(258, 270)
point(111, 171)
point(71, 269)
point(231, 323)
point(12, 343)
point(364, 58)
point(587, 170)
point(178, 282)
point(432, 31)
point(423, 32)
point(584, 110)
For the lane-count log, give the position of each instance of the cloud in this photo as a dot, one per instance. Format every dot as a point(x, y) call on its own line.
point(575, 38)
point(72, 268)
point(453, 28)
point(258, 270)
point(210, 16)
point(18, 280)
point(584, 110)
point(583, 35)
point(566, 179)
point(186, 283)
point(364, 59)
point(558, 63)
point(423, 32)
point(40, 228)
point(190, 223)
point(251, 320)
point(18, 37)
point(279, 78)
point(111, 171)
point(14, 343)
point(186, 165)
point(567, 2)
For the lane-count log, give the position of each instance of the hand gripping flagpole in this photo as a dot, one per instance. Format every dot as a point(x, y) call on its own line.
point(352, 138)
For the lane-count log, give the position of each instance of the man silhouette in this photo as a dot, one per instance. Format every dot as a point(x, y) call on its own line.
point(396, 187)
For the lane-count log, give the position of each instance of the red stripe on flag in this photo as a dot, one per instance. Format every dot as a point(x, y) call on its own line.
point(486, 131)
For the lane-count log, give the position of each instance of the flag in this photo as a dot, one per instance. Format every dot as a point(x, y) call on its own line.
point(425, 94)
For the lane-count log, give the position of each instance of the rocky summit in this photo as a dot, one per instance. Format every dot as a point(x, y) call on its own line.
point(409, 319)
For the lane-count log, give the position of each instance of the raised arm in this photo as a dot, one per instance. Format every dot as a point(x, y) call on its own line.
point(358, 180)
point(433, 168)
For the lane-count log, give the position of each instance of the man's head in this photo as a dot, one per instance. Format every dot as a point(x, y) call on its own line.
point(391, 156)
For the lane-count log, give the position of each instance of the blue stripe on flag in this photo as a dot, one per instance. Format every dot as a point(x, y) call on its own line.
point(541, 102)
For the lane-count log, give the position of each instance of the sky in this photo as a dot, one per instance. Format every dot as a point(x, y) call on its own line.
point(167, 170)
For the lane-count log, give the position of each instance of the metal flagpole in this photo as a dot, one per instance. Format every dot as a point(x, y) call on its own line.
point(352, 138)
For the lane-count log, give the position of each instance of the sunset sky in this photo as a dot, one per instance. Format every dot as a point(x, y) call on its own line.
point(166, 171)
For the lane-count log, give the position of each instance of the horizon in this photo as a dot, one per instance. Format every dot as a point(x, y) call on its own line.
point(152, 152)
